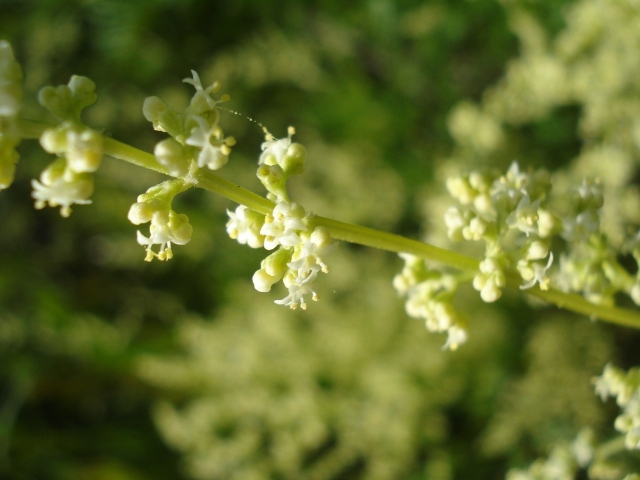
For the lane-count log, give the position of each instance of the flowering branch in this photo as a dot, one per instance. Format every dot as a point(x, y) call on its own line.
point(512, 214)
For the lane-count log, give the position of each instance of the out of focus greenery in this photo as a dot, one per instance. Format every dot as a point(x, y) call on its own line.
point(113, 368)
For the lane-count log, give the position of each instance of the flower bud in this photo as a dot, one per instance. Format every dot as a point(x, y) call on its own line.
point(180, 228)
point(293, 161)
point(84, 152)
point(263, 282)
point(57, 100)
point(53, 172)
point(276, 263)
point(140, 212)
point(321, 237)
point(170, 155)
point(54, 140)
point(82, 92)
point(536, 250)
point(163, 118)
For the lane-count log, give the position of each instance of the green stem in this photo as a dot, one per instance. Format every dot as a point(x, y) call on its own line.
point(610, 448)
point(130, 154)
point(393, 243)
point(369, 237)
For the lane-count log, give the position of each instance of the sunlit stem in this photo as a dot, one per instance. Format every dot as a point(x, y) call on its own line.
point(369, 237)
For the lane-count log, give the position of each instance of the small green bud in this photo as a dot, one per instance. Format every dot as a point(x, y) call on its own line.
point(85, 150)
point(57, 100)
point(270, 175)
point(170, 154)
point(163, 118)
point(180, 228)
point(67, 101)
point(53, 172)
point(263, 282)
point(83, 93)
point(54, 140)
point(276, 263)
point(293, 161)
point(140, 212)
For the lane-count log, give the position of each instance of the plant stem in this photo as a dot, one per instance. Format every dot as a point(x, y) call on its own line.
point(369, 237)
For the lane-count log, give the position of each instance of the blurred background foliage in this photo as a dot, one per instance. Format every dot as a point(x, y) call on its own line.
point(113, 368)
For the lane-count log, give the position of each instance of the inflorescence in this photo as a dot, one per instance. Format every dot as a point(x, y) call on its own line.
point(520, 219)
point(533, 237)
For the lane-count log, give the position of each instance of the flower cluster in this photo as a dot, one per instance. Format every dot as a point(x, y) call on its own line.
point(167, 226)
point(196, 135)
point(518, 217)
point(280, 159)
point(300, 248)
point(10, 103)
point(508, 213)
point(625, 387)
point(429, 297)
point(68, 180)
point(196, 141)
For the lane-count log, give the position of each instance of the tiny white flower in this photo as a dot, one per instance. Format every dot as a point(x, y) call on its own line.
point(163, 231)
point(202, 100)
point(214, 149)
point(475, 229)
point(297, 291)
point(456, 336)
point(455, 221)
point(525, 216)
point(283, 225)
point(308, 258)
point(59, 186)
point(534, 272)
point(244, 225)
point(274, 150)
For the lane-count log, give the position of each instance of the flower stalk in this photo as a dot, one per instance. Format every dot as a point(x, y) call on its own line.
point(281, 158)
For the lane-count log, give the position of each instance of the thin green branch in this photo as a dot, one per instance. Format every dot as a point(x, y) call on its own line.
point(130, 154)
point(369, 237)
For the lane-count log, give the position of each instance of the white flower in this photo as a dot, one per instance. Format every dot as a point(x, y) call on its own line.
point(283, 225)
point(525, 216)
point(508, 189)
point(456, 336)
point(274, 150)
point(214, 149)
point(534, 272)
point(475, 229)
point(60, 186)
point(81, 147)
point(244, 225)
point(307, 259)
point(455, 221)
point(297, 290)
point(166, 228)
point(202, 100)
